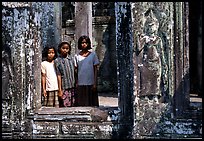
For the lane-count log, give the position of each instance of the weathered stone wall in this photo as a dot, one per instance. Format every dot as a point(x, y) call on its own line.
point(154, 113)
point(75, 123)
point(23, 25)
point(125, 69)
point(152, 100)
point(24, 43)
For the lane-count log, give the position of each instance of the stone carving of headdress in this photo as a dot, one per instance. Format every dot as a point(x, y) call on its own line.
point(151, 19)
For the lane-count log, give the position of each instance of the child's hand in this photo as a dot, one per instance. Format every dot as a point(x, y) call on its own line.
point(76, 85)
point(94, 88)
point(44, 93)
point(60, 93)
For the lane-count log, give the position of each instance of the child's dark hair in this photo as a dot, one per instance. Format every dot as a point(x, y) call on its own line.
point(61, 44)
point(87, 40)
point(45, 52)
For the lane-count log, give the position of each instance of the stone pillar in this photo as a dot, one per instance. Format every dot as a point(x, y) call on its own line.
point(57, 21)
point(124, 52)
point(181, 48)
point(23, 42)
point(83, 20)
point(47, 17)
point(27, 28)
point(51, 22)
point(167, 22)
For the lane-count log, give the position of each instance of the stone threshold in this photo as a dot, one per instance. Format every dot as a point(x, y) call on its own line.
point(76, 114)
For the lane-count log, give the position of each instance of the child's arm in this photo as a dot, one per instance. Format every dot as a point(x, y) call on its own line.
point(59, 80)
point(76, 76)
point(95, 77)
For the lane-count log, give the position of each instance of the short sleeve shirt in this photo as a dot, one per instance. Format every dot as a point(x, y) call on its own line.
point(65, 68)
point(48, 69)
point(85, 67)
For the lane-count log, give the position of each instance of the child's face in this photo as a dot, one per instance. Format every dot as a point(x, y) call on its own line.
point(84, 44)
point(64, 50)
point(51, 54)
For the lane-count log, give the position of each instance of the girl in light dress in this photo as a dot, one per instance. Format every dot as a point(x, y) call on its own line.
point(49, 78)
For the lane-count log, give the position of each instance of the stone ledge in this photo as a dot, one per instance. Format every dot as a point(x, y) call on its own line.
point(64, 137)
point(75, 114)
point(73, 130)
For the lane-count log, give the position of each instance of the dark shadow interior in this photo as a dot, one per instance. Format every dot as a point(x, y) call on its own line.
point(195, 13)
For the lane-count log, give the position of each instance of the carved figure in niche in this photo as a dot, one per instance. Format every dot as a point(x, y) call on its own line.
point(152, 66)
point(7, 73)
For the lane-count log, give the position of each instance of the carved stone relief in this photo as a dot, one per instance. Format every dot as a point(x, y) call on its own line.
point(151, 49)
point(153, 69)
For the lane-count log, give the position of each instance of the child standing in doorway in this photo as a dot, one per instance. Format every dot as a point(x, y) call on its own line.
point(64, 65)
point(49, 78)
point(86, 63)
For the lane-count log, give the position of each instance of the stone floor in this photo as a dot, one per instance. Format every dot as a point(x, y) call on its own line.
point(108, 100)
point(195, 98)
